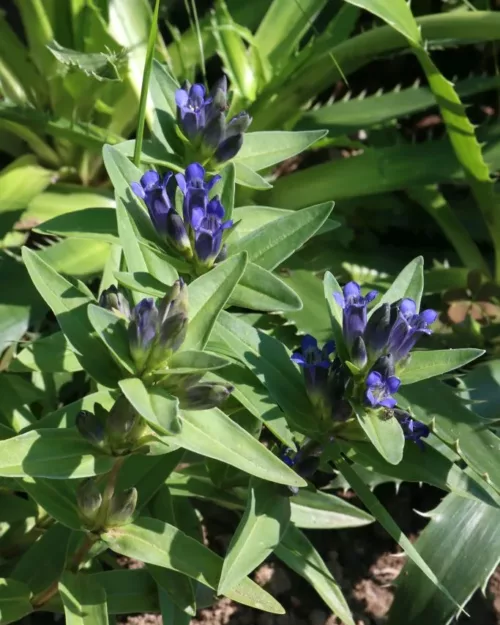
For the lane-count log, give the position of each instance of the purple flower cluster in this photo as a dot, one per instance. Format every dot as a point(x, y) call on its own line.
point(377, 346)
point(200, 231)
point(202, 118)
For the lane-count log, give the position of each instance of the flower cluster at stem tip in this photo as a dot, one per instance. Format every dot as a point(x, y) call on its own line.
point(200, 232)
point(378, 349)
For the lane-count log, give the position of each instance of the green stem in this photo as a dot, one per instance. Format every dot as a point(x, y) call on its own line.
point(457, 234)
point(145, 85)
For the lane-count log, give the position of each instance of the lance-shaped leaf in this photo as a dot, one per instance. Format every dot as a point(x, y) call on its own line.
point(160, 409)
point(89, 223)
point(271, 244)
point(113, 332)
point(331, 286)
point(314, 509)
point(69, 304)
point(57, 498)
point(213, 434)
point(429, 364)
point(299, 554)
point(259, 289)
point(408, 283)
point(14, 601)
point(162, 544)
point(54, 454)
point(50, 354)
point(192, 360)
point(386, 434)
point(263, 149)
point(99, 65)
point(260, 530)
point(226, 188)
point(83, 599)
point(142, 282)
point(461, 543)
point(247, 177)
point(208, 295)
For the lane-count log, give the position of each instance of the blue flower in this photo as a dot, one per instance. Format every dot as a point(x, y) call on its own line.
point(202, 118)
point(142, 330)
point(354, 307)
point(408, 328)
point(414, 430)
point(315, 361)
point(195, 191)
point(153, 190)
point(381, 384)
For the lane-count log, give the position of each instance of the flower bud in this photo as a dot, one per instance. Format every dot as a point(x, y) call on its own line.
point(114, 300)
point(213, 132)
point(177, 235)
point(124, 426)
point(358, 352)
point(378, 329)
point(90, 427)
point(142, 331)
point(204, 396)
point(89, 500)
point(122, 507)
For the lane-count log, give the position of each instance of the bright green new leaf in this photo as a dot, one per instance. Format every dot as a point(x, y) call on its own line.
point(299, 554)
point(384, 432)
point(314, 509)
point(54, 454)
point(213, 434)
point(271, 244)
point(428, 364)
point(14, 601)
point(83, 599)
point(264, 522)
point(259, 289)
point(159, 543)
point(112, 330)
point(208, 295)
point(160, 409)
point(263, 149)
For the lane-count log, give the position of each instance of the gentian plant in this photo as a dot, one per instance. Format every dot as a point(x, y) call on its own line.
point(190, 393)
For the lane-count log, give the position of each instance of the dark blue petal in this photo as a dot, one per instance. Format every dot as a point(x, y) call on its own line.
point(228, 148)
point(204, 246)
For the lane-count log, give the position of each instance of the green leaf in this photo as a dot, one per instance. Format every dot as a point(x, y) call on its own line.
point(386, 434)
point(408, 283)
point(266, 517)
point(69, 304)
point(14, 601)
point(263, 149)
point(160, 409)
point(267, 359)
point(253, 396)
point(50, 354)
point(213, 434)
point(225, 188)
point(203, 488)
point(132, 591)
point(142, 282)
point(283, 26)
point(57, 498)
point(259, 289)
point(84, 600)
point(170, 612)
point(397, 13)
point(178, 588)
point(89, 223)
point(249, 178)
point(436, 405)
point(208, 295)
point(191, 361)
point(50, 549)
point(54, 454)
point(113, 332)
point(314, 509)
point(383, 517)
point(271, 244)
point(65, 417)
point(99, 65)
point(299, 554)
point(461, 544)
point(159, 543)
point(162, 88)
point(437, 469)
point(429, 364)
